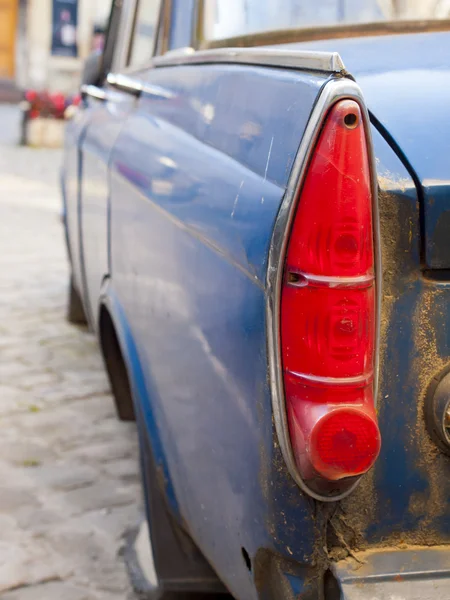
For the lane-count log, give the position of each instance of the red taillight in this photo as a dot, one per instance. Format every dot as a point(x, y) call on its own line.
point(328, 332)
point(328, 307)
point(332, 232)
point(345, 441)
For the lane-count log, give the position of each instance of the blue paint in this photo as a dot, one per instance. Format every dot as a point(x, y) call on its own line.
point(210, 105)
point(142, 396)
point(71, 175)
point(105, 122)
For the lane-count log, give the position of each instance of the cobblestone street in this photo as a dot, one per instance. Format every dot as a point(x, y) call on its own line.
point(69, 481)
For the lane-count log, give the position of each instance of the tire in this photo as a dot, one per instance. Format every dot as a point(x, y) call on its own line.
point(181, 571)
point(115, 368)
point(75, 310)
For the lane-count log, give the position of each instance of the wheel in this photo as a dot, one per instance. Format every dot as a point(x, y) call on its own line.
point(75, 310)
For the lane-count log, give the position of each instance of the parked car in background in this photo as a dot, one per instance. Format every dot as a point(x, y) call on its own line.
point(256, 203)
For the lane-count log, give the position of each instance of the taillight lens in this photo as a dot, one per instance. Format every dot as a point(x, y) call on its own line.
point(332, 234)
point(328, 332)
point(328, 307)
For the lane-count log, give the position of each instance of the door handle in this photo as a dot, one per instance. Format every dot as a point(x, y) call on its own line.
point(134, 87)
point(125, 84)
point(94, 92)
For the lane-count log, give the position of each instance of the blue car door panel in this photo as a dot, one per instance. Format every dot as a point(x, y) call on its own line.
point(197, 179)
point(71, 174)
point(106, 120)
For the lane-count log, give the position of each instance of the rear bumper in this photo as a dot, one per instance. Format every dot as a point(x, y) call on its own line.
point(384, 574)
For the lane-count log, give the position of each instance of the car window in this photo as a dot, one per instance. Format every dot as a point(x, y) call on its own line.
point(144, 32)
point(228, 18)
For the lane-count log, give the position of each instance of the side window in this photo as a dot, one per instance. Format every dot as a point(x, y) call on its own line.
point(228, 18)
point(144, 32)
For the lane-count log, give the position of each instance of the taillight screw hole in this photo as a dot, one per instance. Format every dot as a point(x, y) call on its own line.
point(296, 279)
point(247, 559)
point(351, 120)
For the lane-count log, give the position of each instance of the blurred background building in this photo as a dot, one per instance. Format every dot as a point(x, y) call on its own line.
point(43, 43)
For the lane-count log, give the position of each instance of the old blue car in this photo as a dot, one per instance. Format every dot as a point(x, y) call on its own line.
point(257, 209)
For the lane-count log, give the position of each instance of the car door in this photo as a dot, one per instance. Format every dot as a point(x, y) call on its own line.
point(109, 109)
point(70, 191)
point(76, 128)
point(106, 119)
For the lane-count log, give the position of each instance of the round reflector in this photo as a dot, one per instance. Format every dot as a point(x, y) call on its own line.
point(344, 443)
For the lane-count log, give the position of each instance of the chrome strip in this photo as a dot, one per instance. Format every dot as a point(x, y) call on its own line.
point(157, 91)
point(417, 573)
point(333, 90)
point(328, 62)
point(135, 87)
point(333, 380)
point(177, 53)
point(332, 282)
point(94, 92)
point(125, 83)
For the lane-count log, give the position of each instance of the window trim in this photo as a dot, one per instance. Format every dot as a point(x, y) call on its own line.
point(131, 37)
point(108, 53)
point(125, 31)
point(162, 38)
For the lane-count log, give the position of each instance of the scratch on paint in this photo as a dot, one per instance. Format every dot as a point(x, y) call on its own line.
point(262, 199)
point(268, 157)
point(236, 199)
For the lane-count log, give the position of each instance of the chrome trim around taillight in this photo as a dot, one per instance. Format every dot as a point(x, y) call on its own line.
point(334, 90)
point(361, 281)
point(339, 381)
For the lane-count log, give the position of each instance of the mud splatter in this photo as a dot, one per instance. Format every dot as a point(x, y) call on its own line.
point(401, 270)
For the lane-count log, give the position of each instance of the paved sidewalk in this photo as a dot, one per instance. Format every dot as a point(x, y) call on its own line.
point(69, 482)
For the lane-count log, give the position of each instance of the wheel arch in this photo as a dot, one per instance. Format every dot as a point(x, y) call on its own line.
point(115, 365)
point(140, 397)
point(117, 344)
